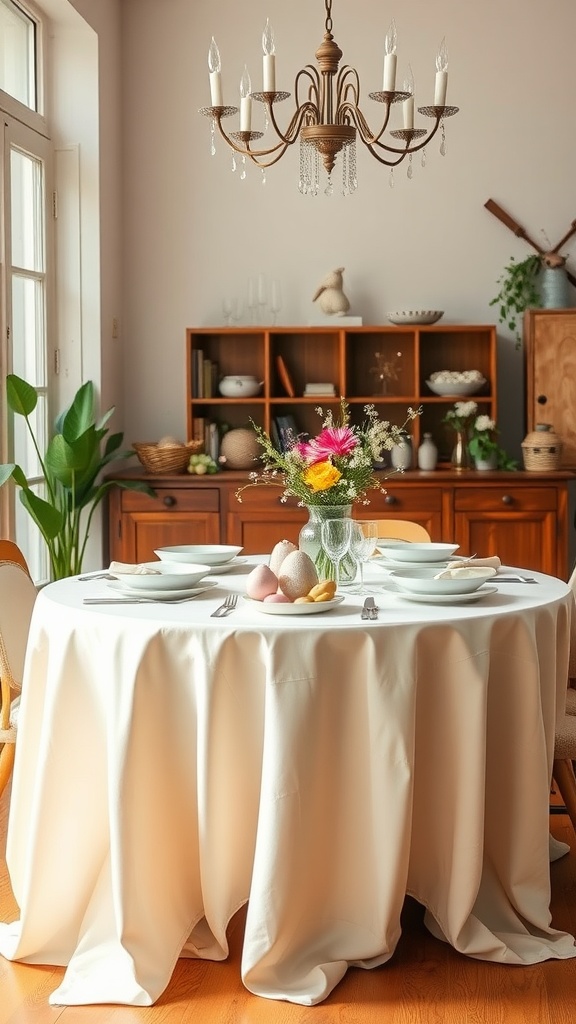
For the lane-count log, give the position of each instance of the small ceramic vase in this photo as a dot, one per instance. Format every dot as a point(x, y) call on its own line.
point(401, 454)
point(427, 453)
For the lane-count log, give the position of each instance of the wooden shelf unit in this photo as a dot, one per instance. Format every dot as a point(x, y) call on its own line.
point(347, 358)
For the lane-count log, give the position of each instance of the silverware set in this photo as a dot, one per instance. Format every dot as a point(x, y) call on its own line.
point(370, 610)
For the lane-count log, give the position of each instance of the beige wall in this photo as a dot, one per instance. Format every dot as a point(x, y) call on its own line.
point(192, 232)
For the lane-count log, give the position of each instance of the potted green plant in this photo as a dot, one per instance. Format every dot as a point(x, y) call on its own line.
point(519, 290)
point(484, 448)
point(71, 466)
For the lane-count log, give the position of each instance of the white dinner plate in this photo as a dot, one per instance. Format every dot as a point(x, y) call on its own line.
point(476, 595)
point(204, 554)
point(162, 595)
point(384, 562)
point(217, 570)
point(271, 608)
point(425, 552)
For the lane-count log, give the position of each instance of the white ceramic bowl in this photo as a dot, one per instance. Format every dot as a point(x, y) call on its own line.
point(415, 316)
point(425, 552)
point(166, 576)
point(202, 554)
point(456, 388)
point(423, 581)
point(240, 387)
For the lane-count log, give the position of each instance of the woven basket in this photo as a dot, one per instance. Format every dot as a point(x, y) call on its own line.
point(542, 449)
point(166, 458)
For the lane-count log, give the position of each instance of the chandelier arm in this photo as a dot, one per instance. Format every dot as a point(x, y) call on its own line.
point(344, 87)
point(293, 130)
point(314, 88)
point(366, 134)
point(408, 149)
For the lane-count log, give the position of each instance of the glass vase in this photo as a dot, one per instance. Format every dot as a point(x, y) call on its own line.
point(460, 456)
point(310, 542)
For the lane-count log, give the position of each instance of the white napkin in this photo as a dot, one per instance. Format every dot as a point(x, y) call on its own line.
point(128, 569)
point(465, 572)
point(490, 563)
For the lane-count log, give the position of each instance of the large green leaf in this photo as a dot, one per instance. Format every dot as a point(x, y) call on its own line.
point(49, 519)
point(80, 415)
point(21, 396)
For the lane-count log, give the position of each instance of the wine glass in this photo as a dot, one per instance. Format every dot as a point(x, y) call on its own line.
point(336, 534)
point(362, 545)
point(275, 300)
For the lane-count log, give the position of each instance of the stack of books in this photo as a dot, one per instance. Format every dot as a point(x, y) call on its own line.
point(324, 388)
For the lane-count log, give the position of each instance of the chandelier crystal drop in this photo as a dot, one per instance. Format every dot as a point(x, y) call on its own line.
point(327, 120)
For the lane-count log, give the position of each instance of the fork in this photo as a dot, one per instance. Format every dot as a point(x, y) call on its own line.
point(224, 609)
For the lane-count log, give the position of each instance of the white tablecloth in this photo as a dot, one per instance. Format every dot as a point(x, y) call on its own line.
point(172, 766)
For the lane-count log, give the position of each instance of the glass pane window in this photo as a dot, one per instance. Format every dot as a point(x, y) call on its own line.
point(31, 541)
point(29, 329)
point(27, 204)
point(18, 54)
point(24, 451)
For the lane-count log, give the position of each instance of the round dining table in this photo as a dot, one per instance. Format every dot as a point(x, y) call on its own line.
point(172, 766)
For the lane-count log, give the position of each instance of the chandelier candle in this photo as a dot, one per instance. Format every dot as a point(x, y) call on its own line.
point(390, 59)
point(215, 76)
point(245, 101)
point(441, 75)
point(269, 60)
point(408, 105)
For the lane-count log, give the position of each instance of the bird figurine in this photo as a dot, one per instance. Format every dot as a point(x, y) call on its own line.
point(330, 294)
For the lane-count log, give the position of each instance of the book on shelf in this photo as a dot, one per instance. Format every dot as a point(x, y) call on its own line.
point(287, 431)
point(319, 389)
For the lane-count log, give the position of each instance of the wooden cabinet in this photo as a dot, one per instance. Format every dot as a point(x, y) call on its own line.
point(522, 517)
point(286, 359)
point(550, 352)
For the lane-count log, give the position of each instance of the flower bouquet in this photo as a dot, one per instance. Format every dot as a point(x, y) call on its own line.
point(484, 447)
point(328, 473)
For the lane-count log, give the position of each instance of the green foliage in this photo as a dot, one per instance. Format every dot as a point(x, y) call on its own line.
point(518, 292)
point(71, 465)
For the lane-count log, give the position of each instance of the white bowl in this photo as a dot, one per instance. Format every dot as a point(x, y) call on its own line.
point(166, 576)
point(203, 554)
point(415, 316)
point(425, 552)
point(456, 388)
point(240, 387)
point(423, 581)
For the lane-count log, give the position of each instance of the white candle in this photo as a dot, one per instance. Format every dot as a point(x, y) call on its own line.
point(408, 112)
point(441, 83)
point(215, 77)
point(269, 60)
point(245, 102)
point(389, 84)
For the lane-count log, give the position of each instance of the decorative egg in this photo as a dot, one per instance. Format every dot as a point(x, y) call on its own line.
point(261, 582)
point(277, 599)
point(240, 449)
point(279, 552)
point(297, 575)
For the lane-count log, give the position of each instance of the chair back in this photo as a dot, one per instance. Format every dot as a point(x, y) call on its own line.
point(572, 662)
point(10, 552)
point(402, 529)
point(17, 597)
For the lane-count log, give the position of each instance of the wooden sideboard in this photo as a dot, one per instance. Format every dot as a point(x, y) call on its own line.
point(520, 516)
point(550, 351)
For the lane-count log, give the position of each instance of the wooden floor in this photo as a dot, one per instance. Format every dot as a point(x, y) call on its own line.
point(425, 982)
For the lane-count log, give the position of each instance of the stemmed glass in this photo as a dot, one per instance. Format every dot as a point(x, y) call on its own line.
point(276, 300)
point(362, 545)
point(336, 534)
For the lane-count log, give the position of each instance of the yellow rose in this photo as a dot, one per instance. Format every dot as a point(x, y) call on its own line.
point(322, 476)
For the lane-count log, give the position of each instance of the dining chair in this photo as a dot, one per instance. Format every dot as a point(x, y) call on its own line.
point(17, 597)
point(565, 738)
point(402, 529)
point(10, 552)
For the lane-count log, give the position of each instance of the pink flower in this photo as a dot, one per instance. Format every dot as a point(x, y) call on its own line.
point(332, 441)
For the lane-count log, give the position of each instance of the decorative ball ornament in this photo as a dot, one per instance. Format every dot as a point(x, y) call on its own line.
point(240, 449)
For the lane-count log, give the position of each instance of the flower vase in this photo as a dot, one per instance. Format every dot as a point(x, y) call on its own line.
point(460, 457)
point(310, 541)
point(487, 463)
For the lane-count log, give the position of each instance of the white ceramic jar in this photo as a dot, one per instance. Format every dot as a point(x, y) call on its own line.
point(240, 386)
point(427, 453)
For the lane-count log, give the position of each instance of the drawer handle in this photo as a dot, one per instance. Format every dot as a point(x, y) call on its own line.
point(391, 499)
point(542, 399)
point(507, 499)
point(169, 501)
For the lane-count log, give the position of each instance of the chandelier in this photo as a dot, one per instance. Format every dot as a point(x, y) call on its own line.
point(328, 118)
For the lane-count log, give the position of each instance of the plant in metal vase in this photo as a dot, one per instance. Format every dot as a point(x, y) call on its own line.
point(519, 290)
point(71, 466)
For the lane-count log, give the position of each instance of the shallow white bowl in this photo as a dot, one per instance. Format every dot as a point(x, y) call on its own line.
point(415, 316)
point(166, 576)
point(240, 387)
point(425, 552)
point(202, 554)
point(422, 581)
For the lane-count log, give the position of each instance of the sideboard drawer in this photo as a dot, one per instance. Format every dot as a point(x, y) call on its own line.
point(523, 499)
point(404, 498)
point(172, 499)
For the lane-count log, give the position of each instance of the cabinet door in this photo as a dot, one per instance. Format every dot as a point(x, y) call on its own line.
point(550, 336)
point(143, 532)
point(403, 501)
point(261, 519)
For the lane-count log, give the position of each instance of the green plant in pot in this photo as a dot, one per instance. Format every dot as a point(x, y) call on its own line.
point(519, 290)
point(484, 447)
point(71, 466)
